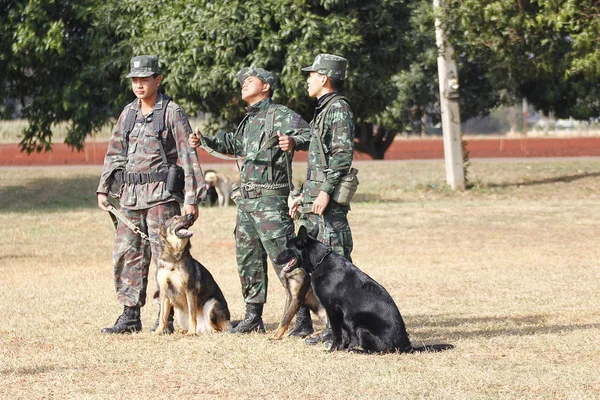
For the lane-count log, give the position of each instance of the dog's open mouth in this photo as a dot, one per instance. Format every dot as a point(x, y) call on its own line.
point(184, 233)
point(182, 230)
point(290, 265)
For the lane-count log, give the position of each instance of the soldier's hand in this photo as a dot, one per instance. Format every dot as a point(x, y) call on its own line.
point(191, 209)
point(194, 138)
point(102, 199)
point(320, 203)
point(286, 143)
point(294, 206)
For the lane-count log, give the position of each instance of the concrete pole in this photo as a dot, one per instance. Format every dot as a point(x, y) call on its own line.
point(525, 116)
point(450, 109)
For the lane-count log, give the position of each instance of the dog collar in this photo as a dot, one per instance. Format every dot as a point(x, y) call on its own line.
point(321, 261)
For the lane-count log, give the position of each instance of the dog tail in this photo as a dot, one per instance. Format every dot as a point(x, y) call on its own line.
point(430, 348)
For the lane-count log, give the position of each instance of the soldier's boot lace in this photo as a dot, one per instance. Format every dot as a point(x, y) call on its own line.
point(252, 322)
point(304, 326)
point(324, 337)
point(128, 322)
point(170, 327)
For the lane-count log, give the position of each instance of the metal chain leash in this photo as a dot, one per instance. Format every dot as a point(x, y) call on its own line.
point(249, 186)
point(130, 224)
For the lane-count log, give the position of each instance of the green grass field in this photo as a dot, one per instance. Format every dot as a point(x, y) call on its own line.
point(507, 272)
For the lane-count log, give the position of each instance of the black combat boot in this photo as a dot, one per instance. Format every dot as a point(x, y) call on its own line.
point(128, 322)
point(323, 337)
point(252, 322)
point(304, 326)
point(170, 327)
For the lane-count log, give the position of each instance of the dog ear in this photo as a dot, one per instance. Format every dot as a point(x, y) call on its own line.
point(314, 232)
point(302, 236)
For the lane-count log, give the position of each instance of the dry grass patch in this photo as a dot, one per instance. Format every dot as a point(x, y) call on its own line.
point(507, 272)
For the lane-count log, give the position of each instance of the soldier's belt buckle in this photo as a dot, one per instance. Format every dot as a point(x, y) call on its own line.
point(248, 194)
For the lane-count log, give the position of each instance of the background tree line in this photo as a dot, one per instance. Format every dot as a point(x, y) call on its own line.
point(65, 60)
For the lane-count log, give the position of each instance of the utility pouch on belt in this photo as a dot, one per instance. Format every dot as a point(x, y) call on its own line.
point(236, 192)
point(175, 179)
point(344, 191)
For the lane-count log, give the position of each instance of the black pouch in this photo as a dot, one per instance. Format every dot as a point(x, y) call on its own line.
point(175, 178)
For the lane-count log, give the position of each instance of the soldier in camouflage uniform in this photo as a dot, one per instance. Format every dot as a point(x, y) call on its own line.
point(263, 225)
point(134, 154)
point(326, 77)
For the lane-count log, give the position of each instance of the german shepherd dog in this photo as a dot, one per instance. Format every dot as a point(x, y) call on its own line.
point(297, 286)
point(186, 285)
point(362, 314)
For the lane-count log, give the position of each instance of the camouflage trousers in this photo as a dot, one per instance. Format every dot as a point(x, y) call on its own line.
point(334, 229)
point(132, 254)
point(259, 235)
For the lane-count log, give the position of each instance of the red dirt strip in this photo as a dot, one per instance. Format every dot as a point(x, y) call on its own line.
point(410, 149)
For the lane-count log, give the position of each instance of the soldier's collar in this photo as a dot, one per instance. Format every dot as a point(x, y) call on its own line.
point(323, 99)
point(260, 106)
point(158, 104)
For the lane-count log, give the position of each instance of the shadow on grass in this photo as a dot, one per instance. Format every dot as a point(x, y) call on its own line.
point(49, 194)
point(557, 179)
point(28, 370)
point(446, 329)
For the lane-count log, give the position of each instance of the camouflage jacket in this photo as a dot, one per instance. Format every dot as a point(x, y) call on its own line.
point(338, 144)
point(247, 140)
point(144, 155)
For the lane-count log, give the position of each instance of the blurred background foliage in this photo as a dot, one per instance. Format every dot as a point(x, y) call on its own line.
point(65, 61)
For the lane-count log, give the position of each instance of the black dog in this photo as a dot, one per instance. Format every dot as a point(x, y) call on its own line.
point(362, 314)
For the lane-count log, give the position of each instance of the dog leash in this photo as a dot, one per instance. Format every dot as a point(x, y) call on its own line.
point(127, 222)
point(268, 143)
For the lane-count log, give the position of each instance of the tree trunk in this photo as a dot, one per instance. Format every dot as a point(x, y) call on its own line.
point(373, 140)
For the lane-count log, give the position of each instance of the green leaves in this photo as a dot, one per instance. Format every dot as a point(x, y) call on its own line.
point(66, 60)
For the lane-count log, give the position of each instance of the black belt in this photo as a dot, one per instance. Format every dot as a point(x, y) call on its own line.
point(144, 177)
point(315, 175)
point(260, 192)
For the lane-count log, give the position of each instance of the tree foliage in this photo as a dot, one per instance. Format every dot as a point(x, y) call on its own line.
point(66, 60)
point(543, 50)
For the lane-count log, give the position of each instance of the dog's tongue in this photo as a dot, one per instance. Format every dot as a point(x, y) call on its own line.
point(184, 233)
point(290, 265)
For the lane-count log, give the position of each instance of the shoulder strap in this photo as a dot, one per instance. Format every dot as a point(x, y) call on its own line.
point(129, 124)
point(321, 126)
point(269, 124)
point(130, 119)
point(158, 121)
point(270, 120)
point(158, 125)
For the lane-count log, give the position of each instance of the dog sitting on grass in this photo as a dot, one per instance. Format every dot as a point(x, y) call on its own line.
point(362, 314)
point(186, 285)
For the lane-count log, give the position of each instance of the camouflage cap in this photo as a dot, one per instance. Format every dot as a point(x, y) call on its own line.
point(143, 66)
point(262, 74)
point(330, 65)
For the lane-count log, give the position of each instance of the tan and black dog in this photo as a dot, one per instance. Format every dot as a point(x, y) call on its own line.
point(223, 185)
point(186, 285)
point(297, 285)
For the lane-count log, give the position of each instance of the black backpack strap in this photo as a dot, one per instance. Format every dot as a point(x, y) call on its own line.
point(158, 121)
point(129, 124)
point(158, 125)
